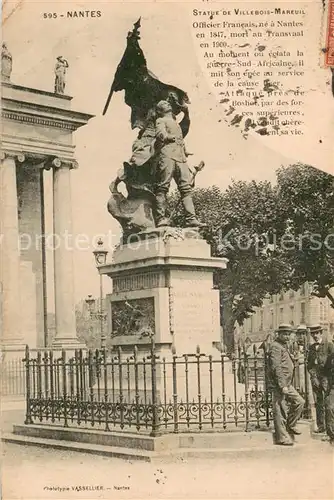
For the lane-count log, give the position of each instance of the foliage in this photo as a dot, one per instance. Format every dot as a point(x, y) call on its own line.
point(88, 328)
point(306, 206)
point(251, 223)
point(241, 222)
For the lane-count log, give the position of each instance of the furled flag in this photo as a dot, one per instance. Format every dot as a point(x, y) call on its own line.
point(142, 89)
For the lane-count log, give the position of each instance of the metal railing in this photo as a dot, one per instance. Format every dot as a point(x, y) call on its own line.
point(13, 377)
point(142, 392)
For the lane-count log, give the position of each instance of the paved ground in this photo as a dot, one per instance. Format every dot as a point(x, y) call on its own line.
point(302, 472)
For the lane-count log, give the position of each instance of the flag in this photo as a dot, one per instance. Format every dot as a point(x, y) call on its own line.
point(143, 90)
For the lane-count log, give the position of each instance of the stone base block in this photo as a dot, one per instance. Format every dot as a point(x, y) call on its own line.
point(163, 286)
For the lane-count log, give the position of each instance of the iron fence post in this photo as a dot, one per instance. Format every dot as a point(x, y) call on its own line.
point(199, 393)
point(28, 419)
point(137, 405)
point(63, 359)
point(155, 413)
point(175, 412)
point(39, 385)
point(246, 361)
point(105, 376)
point(120, 381)
point(266, 385)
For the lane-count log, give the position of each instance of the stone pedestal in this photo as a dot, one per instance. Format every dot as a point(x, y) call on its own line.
point(163, 282)
point(163, 285)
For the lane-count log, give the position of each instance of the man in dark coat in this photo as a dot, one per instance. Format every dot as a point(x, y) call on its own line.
point(318, 354)
point(281, 369)
point(329, 399)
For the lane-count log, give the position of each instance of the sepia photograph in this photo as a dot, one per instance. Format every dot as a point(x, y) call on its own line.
point(167, 250)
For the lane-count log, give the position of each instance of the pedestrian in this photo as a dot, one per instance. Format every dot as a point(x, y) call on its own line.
point(318, 354)
point(287, 402)
point(329, 398)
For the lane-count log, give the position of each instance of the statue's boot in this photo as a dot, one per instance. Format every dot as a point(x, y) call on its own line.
point(191, 220)
point(160, 210)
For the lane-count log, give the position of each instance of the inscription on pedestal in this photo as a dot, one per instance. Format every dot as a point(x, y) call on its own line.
point(193, 314)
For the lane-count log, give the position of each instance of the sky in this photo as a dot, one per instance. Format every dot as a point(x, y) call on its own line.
point(93, 48)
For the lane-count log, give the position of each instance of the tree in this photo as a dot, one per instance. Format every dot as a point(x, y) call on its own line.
point(241, 225)
point(88, 328)
point(305, 206)
point(275, 237)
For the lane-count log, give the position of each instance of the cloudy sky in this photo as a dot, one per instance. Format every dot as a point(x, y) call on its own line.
point(93, 48)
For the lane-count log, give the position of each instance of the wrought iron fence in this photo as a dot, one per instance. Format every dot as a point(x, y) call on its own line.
point(143, 392)
point(13, 377)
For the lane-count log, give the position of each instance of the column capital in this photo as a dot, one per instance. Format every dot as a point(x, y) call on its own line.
point(14, 155)
point(57, 162)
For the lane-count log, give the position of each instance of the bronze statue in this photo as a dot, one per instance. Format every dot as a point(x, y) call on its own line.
point(172, 164)
point(60, 72)
point(6, 63)
point(143, 91)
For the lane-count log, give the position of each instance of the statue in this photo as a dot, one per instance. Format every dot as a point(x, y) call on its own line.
point(172, 164)
point(6, 63)
point(144, 207)
point(60, 72)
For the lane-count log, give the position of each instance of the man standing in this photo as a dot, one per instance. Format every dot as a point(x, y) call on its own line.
point(281, 368)
point(318, 354)
point(329, 399)
point(172, 164)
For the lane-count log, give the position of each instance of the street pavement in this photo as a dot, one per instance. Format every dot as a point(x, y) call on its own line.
point(301, 472)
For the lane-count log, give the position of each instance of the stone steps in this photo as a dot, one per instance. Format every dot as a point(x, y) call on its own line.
point(159, 457)
point(95, 449)
point(163, 448)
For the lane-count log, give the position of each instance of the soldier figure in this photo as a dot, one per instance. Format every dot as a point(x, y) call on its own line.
point(172, 164)
point(281, 368)
point(318, 354)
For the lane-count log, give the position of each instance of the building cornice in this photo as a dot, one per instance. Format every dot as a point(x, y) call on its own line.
point(36, 91)
point(35, 120)
point(44, 116)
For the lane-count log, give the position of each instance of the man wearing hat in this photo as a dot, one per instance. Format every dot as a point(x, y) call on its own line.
point(301, 336)
point(318, 355)
point(281, 369)
point(329, 400)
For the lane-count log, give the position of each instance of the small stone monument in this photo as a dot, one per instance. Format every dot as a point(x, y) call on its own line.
point(6, 63)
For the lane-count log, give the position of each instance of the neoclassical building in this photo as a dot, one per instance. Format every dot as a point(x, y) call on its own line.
point(37, 135)
point(294, 307)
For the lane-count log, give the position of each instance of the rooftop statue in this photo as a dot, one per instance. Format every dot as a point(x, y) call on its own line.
point(60, 75)
point(6, 63)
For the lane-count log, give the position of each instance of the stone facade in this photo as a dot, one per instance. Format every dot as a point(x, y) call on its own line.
point(37, 135)
point(294, 307)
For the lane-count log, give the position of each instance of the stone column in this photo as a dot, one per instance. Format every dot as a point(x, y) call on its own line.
point(11, 335)
point(65, 336)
